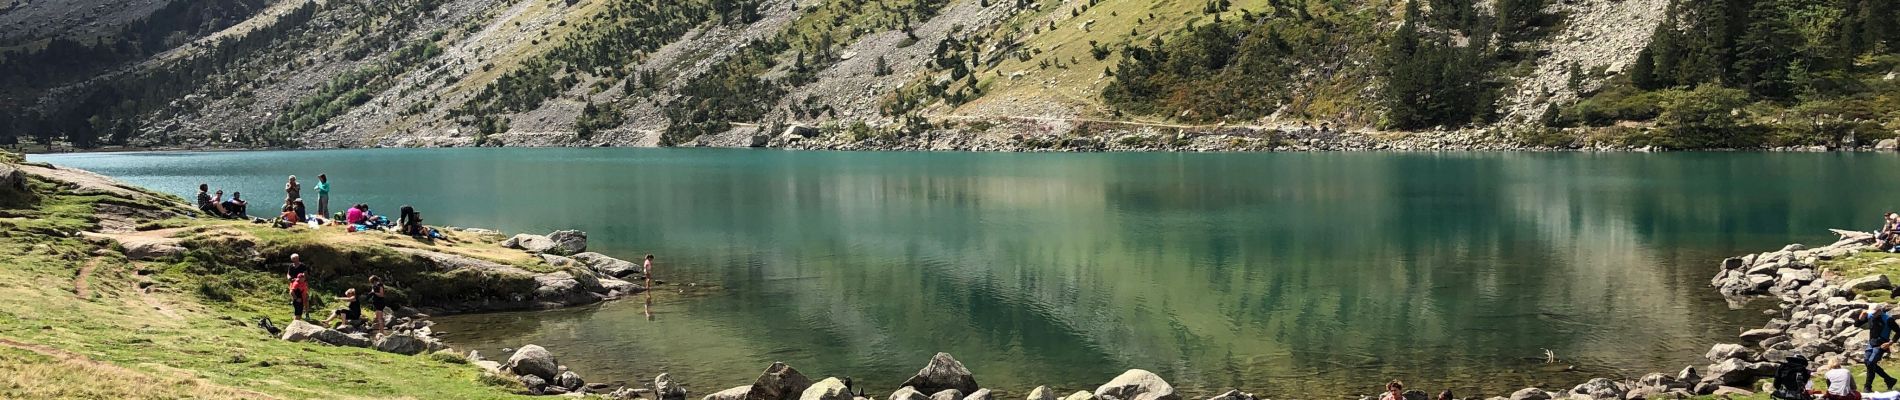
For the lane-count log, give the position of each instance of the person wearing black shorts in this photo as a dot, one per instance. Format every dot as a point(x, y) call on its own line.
point(299, 297)
point(378, 302)
point(351, 314)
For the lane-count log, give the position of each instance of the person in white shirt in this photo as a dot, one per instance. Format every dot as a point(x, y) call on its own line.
point(1840, 381)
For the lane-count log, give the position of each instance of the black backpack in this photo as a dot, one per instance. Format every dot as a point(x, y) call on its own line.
point(1791, 379)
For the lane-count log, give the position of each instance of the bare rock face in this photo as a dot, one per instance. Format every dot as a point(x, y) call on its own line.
point(1137, 385)
point(943, 373)
point(779, 382)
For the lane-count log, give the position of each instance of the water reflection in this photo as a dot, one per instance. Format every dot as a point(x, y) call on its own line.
point(1289, 274)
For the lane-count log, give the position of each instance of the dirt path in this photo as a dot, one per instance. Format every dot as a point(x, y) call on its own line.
point(85, 273)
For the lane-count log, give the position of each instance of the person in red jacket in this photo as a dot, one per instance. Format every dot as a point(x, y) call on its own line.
point(299, 296)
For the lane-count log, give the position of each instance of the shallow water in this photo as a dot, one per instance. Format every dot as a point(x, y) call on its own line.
point(1304, 275)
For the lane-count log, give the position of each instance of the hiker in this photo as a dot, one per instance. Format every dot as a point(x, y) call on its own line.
point(351, 314)
point(217, 204)
point(378, 302)
point(1840, 381)
point(296, 267)
point(1394, 390)
point(235, 208)
point(204, 200)
point(1880, 327)
point(299, 296)
point(292, 191)
point(323, 195)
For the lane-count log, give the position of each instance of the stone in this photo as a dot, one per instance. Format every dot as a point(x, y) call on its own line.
point(800, 131)
point(778, 382)
point(567, 242)
point(1794, 247)
point(1726, 351)
point(1080, 395)
point(947, 394)
point(1657, 380)
point(402, 343)
point(980, 394)
point(13, 189)
point(908, 393)
point(338, 338)
point(533, 383)
point(300, 331)
point(555, 260)
point(943, 372)
point(534, 360)
point(1688, 376)
point(1234, 394)
point(151, 250)
point(828, 389)
point(1530, 394)
point(1887, 144)
point(1137, 384)
point(1872, 282)
point(1645, 392)
point(666, 389)
point(735, 393)
point(1758, 335)
point(530, 243)
point(1735, 371)
point(1042, 393)
point(1731, 391)
point(608, 266)
point(571, 381)
point(1600, 389)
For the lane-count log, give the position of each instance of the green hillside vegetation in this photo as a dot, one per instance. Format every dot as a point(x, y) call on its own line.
point(1752, 73)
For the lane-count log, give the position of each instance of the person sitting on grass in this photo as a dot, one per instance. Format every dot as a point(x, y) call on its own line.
point(351, 314)
point(288, 218)
point(299, 297)
point(204, 200)
point(356, 215)
point(236, 207)
point(217, 205)
point(1840, 381)
point(1888, 237)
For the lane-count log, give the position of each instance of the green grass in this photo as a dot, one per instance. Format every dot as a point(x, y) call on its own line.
point(174, 342)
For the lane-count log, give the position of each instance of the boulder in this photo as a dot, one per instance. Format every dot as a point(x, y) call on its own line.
point(402, 343)
point(1530, 394)
point(530, 243)
point(943, 372)
point(666, 389)
point(980, 394)
point(908, 393)
point(564, 289)
point(1080, 395)
point(151, 250)
point(1731, 391)
point(1600, 389)
point(555, 260)
point(534, 383)
point(1657, 380)
point(1645, 392)
point(735, 393)
point(1726, 351)
point(1737, 372)
point(13, 189)
point(1688, 376)
point(1887, 145)
point(567, 242)
point(1234, 394)
point(828, 389)
point(1042, 393)
point(608, 266)
point(338, 338)
point(1794, 248)
point(1872, 282)
point(534, 360)
point(800, 131)
point(778, 382)
point(570, 380)
point(947, 394)
point(1758, 335)
point(1137, 385)
point(300, 331)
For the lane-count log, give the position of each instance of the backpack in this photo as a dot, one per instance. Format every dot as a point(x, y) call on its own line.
point(1791, 379)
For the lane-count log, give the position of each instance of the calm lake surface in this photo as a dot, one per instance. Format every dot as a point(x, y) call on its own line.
point(1302, 275)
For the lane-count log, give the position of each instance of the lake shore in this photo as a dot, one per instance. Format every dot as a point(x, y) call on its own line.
point(67, 252)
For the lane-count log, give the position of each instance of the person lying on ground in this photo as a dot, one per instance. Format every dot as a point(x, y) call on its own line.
point(351, 314)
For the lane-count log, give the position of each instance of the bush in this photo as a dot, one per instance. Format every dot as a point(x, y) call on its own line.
point(1710, 116)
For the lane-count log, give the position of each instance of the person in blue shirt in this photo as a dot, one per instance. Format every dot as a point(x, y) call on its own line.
point(1880, 325)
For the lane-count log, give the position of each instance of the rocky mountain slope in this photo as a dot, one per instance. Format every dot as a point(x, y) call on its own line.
point(356, 73)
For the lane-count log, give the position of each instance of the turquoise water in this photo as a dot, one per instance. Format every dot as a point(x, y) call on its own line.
point(1305, 275)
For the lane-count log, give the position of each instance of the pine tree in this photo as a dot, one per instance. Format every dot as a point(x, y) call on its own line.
point(1765, 53)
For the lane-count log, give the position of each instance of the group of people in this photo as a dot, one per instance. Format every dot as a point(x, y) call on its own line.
point(1887, 238)
point(294, 212)
point(351, 314)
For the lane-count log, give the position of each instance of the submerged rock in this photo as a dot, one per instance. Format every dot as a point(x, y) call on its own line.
point(943, 372)
point(1137, 385)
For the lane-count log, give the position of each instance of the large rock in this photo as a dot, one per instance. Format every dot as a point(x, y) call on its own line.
point(980, 394)
point(947, 394)
point(531, 243)
point(1080, 395)
point(943, 372)
point(534, 383)
point(1137, 385)
point(13, 189)
point(567, 242)
point(1658, 380)
point(534, 360)
point(571, 381)
point(778, 382)
point(339, 338)
point(402, 343)
point(735, 393)
point(1726, 351)
point(565, 289)
point(666, 389)
point(908, 393)
point(1736, 372)
point(1530, 394)
point(1042, 393)
point(1758, 335)
point(1873, 282)
point(828, 389)
point(608, 266)
point(1600, 389)
point(1887, 145)
point(300, 331)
